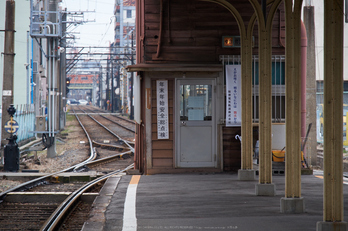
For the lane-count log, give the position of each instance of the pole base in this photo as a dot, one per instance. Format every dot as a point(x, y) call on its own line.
point(265, 189)
point(292, 205)
point(246, 174)
point(51, 150)
point(332, 226)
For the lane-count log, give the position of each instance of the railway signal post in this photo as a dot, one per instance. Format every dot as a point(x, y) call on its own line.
point(11, 150)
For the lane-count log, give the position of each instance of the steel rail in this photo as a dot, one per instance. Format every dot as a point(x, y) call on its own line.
point(93, 154)
point(120, 117)
point(32, 183)
point(108, 159)
point(127, 143)
point(43, 179)
point(109, 145)
point(69, 203)
point(129, 129)
point(119, 138)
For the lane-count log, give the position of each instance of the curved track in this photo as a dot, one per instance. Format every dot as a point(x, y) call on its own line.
point(110, 141)
point(109, 154)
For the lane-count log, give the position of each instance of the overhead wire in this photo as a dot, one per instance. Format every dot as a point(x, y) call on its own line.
point(111, 19)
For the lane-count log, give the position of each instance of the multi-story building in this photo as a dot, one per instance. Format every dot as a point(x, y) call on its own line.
point(124, 23)
point(123, 42)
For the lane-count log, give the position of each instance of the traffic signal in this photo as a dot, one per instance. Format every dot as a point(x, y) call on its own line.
point(67, 85)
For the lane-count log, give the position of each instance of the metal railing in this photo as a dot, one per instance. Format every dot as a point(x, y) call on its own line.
point(25, 117)
point(278, 85)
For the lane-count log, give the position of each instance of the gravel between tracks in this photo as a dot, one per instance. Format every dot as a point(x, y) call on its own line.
point(70, 151)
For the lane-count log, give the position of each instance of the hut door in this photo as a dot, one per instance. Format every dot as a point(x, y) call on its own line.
point(195, 130)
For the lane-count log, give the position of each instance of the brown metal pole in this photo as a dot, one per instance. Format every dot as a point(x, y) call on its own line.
point(7, 88)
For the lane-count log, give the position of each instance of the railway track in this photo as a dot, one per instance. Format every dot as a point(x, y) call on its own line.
point(113, 117)
point(110, 154)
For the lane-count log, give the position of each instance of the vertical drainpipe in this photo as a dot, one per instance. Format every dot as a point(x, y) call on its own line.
point(303, 78)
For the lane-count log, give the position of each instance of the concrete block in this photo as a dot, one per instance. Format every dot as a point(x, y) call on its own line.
point(246, 174)
point(265, 189)
point(332, 226)
point(133, 172)
point(306, 171)
point(292, 205)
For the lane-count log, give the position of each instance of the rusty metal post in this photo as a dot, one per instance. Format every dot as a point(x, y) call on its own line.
point(7, 88)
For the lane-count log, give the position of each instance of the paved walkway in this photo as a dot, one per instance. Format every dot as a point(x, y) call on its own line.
point(208, 202)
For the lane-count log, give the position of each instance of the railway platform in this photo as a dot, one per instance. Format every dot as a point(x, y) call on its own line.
point(202, 202)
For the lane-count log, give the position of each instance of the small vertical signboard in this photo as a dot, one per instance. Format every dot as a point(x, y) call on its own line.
point(233, 96)
point(162, 109)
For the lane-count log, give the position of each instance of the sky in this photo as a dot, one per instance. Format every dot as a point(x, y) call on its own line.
point(100, 30)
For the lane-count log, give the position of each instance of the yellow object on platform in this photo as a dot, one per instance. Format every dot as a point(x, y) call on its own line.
point(278, 156)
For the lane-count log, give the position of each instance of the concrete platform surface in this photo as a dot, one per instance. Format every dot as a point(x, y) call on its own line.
point(208, 202)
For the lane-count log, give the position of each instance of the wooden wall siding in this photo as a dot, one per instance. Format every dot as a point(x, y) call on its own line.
point(232, 147)
point(163, 150)
point(192, 31)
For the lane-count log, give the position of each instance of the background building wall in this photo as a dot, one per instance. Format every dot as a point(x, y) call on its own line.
point(21, 26)
point(319, 27)
point(319, 56)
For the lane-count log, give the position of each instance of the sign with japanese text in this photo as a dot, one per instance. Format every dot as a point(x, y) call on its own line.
point(162, 109)
point(233, 96)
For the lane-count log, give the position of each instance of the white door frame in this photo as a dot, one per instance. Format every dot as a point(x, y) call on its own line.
point(213, 163)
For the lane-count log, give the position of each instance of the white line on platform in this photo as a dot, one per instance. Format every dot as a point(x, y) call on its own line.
point(129, 213)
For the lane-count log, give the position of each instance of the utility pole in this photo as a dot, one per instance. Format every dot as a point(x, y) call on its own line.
point(7, 88)
point(112, 87)
point(94, 90)
point(62, 72)
point(107, 83)
point(131, 116)
point(118, 96)
point(53, 82)
point(100, 77)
